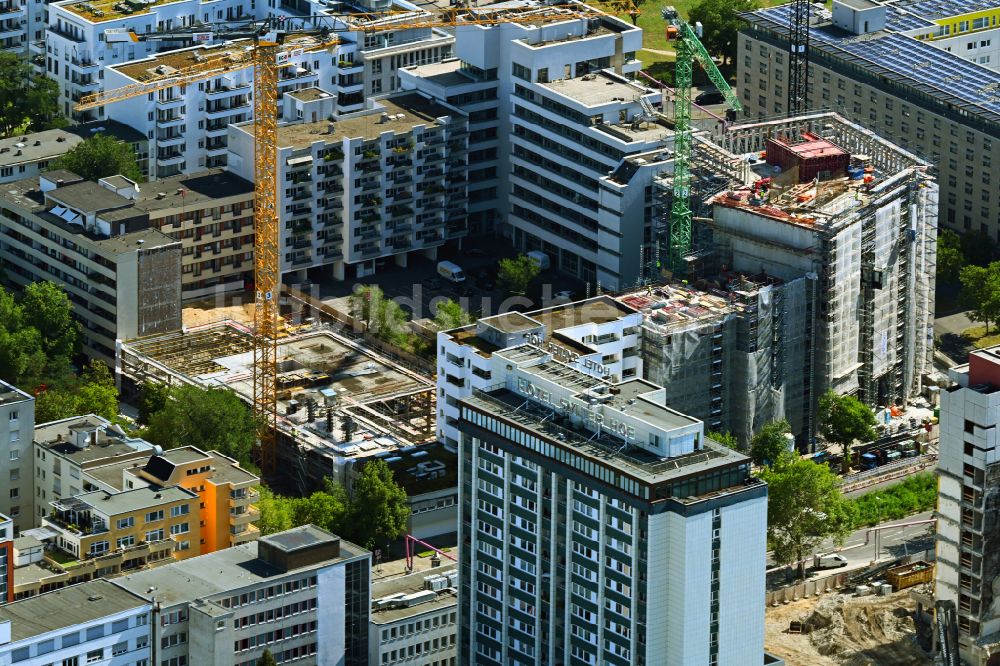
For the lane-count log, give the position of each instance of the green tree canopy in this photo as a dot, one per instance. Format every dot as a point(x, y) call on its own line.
point(94, 392)
point(981, 292)
point(152, 398)
point(770, 445)
point(449, 314)
point(266, 659)
point(949, 256)
point(515, 275)
point(37, 337)
point(804, 507)
point(727, 439)
point(383, 317)
point(379, 509)
point(100, 156)
point(327, 508)
point(28, 101)
point(843, 419)
point(208, 418)
point(978, 248)
point(720, 24)
point(276, 512)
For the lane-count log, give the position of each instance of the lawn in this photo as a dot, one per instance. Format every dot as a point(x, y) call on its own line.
point(977, 336)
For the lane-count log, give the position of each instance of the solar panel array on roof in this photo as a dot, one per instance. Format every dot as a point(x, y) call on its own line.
point(896, 19)
point(939, 9)
point(903, 59)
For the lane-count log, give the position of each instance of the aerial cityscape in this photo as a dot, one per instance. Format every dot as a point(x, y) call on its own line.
point(500, 332)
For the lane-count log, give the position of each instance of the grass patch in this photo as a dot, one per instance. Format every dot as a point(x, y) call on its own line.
point(428, 553)
point(61, 557)
point(917, 493)
point(977, 336)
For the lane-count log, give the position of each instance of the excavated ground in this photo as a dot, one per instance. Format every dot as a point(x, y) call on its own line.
point(845, 630)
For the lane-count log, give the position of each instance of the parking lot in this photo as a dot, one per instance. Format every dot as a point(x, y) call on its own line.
point(418, 287)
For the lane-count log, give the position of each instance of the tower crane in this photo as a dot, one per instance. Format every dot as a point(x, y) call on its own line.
point(267, 37)
point(689, 49)
point(798, 56)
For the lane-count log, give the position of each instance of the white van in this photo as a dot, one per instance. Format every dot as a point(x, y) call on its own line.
point(450, 271)
point(831, 561)
point(540, 259)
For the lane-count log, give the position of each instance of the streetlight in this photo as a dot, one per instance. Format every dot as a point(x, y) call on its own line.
point(878, 522)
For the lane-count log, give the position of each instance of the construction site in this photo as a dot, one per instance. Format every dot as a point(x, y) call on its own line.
point(811, 267)
point(339, 403)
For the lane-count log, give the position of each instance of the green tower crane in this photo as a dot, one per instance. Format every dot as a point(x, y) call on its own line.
point(689, 49)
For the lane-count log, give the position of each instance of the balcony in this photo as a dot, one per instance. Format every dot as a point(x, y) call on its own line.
point(246, 533)
point(9, 8)
point(169, 158)
point(248, 515)
point(169, 102)
point(170, 140)
point(348, 65)
point(221, 110)
point(216, 127)
point(222, 91)
point(164, 120)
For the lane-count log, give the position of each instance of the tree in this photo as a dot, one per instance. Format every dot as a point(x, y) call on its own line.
point(276, 512)
point(379, 510)
point(27, 100)
point(949, 256)
point(770, 445)
point(978, 248)
point(843, 419)
point(516, 274)
point(383, 317)
point(152, 398)
point(630, 7)
point(449, 314)
point(37, 337)
point(327, 508)
point(208, 418)
point(721, 24)
point(266, 659)
point(94, 392)
point(804, 507)
point(100, 156)
point(981, 292)
point(47, 308)
point(727, 439)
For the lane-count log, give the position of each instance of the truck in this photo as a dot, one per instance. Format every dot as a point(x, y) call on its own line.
point(451, 271)
point(539, 259)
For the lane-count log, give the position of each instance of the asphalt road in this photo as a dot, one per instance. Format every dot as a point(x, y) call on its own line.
point(895, 543)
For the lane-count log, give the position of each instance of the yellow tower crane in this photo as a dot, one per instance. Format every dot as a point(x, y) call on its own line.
point(267, 38)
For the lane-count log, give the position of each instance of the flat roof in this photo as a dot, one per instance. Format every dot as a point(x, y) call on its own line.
point(299, 538)
point(445, 73)
point(112, 128)
point(190, 190)
point(136, 499)
point(88, 197)
point(225, 469)
point(935, 10)
point(416, 110)
point(597, 89)
point(411, 584)
point(111, 473)
point(510, 322)
point(36, 146)
point(10, 394)
point(309, 94)
point(901, 59)
point(861, 4)
point(68, 607)
point(169, 62)
point(98, 11)
point(218, 573)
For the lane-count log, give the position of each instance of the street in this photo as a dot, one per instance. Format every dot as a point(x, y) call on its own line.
point(859, 554)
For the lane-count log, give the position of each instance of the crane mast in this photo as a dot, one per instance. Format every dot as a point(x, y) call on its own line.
point(798, 57)
point(689, 49)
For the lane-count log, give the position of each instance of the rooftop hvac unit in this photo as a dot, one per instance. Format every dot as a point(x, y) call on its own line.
point(418, 598)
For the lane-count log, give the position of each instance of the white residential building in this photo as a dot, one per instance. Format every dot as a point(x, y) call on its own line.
point(30, 154)
point(551, 99)
point(93, 623)
point(383, 183)
point(968, 533)
point(600, 526)
point(303, 594)
point(17, 422)
point(6, 559)
point(599, 336)
point(13, 22)
point(414, 619)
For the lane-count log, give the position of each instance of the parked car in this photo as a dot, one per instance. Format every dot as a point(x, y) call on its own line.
point(431, 283)
point(710, 97)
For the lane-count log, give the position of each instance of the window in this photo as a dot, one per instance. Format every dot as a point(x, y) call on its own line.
point(125, 542)
point(125, 523)
point(15, 493)
point(181, 510)
point(95, 655)
point(181, 528)
point(155, 535)
point(15, 454)
point(119, 648)
point(154, 516)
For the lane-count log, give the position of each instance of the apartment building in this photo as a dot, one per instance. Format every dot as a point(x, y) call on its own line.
point(599, 336)
point(17, 421)
point(865, 65)
point(303, 594)
point(368, 187)
point(967, 528)
point(94, 623)
point(600, 526)
point(414, 619)
point(6, 559)
point(13, 36)
point(65, 452)
point(557, 89)
point(123, 283)
point(145, 525)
